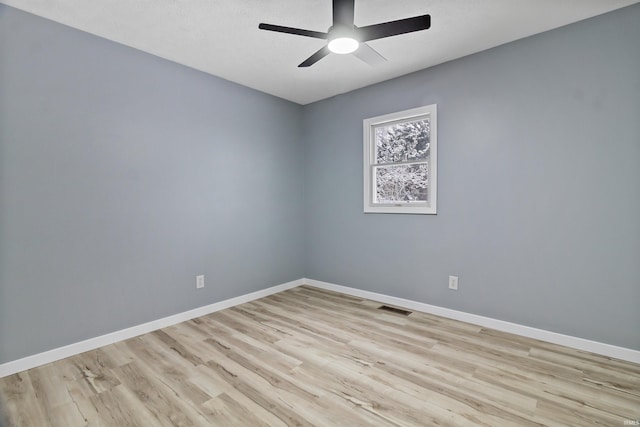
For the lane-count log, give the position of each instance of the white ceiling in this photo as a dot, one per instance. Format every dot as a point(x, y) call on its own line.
point(221, 37)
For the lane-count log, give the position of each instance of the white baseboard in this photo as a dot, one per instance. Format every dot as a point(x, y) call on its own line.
point(500, 325)
point(40, 359)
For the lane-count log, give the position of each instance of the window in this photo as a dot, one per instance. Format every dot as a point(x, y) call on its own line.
point(400, 162)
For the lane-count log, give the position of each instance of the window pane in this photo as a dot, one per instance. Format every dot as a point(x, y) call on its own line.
point(403, 142)
point(406, 183)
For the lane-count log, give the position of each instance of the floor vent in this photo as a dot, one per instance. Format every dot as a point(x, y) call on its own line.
point(394, 310)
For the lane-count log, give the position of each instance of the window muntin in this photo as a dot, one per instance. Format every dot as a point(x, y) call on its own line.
point(400, 162)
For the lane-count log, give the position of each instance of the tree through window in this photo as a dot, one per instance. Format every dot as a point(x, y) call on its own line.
point(400, 162)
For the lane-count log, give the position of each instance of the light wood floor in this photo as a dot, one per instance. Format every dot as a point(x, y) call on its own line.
point(311, 357)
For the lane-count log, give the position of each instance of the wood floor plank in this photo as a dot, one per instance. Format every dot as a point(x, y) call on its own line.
point(311, 357)
point(208, 379)
point(224, 411)
point(120, 407)
point(14, 392)
point(158, 397)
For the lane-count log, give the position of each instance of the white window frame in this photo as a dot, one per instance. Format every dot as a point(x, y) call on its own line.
point(369, 149)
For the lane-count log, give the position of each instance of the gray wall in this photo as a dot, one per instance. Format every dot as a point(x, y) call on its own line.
point(538, 185)
point(122, 177)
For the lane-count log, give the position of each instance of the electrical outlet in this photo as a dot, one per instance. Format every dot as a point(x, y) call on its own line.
point(200, 282)
point(453, 282)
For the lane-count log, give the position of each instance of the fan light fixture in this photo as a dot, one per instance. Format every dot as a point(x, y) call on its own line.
point(345, 37)
point(343, 45)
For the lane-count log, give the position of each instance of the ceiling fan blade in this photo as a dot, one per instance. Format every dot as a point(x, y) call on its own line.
point(343, 12)
point(296, 31)
point(369, 55)
point(315, 57)
point(394, 28)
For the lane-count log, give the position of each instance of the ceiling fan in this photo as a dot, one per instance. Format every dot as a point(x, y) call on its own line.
point(344, 37)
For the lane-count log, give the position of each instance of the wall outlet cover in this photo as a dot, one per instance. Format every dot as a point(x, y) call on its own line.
point(199, 282)
point(453, 282)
